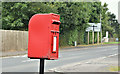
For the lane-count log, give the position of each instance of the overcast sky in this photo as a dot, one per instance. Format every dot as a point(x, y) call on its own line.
point(112, 5)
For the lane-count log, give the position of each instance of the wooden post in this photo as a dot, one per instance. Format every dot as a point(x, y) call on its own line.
point(88, 37)
point(93, 36)
point(101, 37)
point(97, 37)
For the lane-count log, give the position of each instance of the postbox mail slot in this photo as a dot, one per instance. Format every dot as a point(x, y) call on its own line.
point(56, 22)
point(55, 31)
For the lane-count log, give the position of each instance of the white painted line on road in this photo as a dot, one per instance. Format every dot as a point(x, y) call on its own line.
point(112, 55)
point(14, 56)
point(30, 60)
point(64, 58)
point(82, 62)
point(19, 56)
point(90, 61)
point(115, 49)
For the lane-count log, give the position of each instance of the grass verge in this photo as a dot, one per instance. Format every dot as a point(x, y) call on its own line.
point(114, 68)
point(111, 43)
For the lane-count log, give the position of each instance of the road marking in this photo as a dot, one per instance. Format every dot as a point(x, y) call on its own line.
point(112, 55)
point(14, 56)
point(101, 58)
point(115, 49)
point(30, 60)
point(82, 62)
point(67, 50)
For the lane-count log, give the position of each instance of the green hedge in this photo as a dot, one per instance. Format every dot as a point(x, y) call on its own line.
point(69, 37)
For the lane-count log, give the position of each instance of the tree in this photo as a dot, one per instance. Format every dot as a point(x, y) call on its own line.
point(17, 14)
point(74, 17)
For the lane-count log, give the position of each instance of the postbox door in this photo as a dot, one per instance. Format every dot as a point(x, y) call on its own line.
point(54, 45)
point(55, 40)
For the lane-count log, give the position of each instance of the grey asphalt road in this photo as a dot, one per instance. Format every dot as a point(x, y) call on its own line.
point(66, 57)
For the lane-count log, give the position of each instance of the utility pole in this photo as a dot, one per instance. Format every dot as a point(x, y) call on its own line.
point(88, 37)
point(101, 28)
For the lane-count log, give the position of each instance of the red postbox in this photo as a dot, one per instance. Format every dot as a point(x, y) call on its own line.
point(43, 40)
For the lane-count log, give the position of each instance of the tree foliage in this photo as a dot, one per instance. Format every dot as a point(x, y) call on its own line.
point(75, 17)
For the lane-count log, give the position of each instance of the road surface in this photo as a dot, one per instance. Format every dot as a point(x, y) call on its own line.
point(66, 57)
